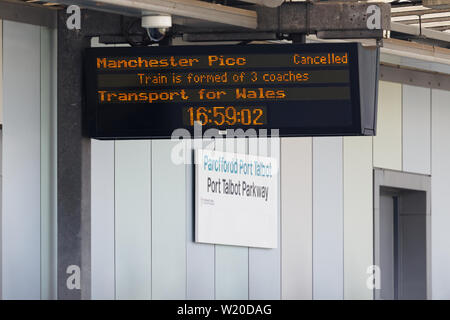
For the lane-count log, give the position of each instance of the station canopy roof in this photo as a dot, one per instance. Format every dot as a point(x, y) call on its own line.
point(420, 18)
point(415, 13)
point(430, 14)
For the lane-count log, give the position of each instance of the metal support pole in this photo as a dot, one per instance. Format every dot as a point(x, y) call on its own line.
point(74, 170)
point(74, 154)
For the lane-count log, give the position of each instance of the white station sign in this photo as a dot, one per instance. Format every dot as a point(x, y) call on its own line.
point(236, 199)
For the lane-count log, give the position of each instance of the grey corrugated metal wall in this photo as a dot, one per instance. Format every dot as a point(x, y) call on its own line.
point(28, 216)
point(326, 212)
point(142, 214)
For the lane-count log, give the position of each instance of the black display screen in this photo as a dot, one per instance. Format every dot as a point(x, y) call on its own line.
point(301, 90)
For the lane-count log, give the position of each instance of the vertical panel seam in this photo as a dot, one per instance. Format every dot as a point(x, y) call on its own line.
point(279, 214)
point(431, 129)
point(402, 112)
point(248, 248)
point(430, 285)
point(280, 230)
point(186, 225)
point(54, 161)
point(151, 219)
point(401, 128)
point(114, 219)
point(312, 218)
point(343, 215)
point(373, 212)
point(215, 255)
point(1, 152)
point(188, 211)
point(40, 162)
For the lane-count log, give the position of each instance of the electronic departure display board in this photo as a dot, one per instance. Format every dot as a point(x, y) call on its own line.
point(300, 89)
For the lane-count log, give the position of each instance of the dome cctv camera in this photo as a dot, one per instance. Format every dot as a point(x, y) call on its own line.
point(156, 25)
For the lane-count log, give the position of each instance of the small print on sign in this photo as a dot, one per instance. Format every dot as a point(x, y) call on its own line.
point(236, 199)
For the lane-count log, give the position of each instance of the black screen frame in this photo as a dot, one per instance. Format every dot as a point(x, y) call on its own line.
point(92, 105)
